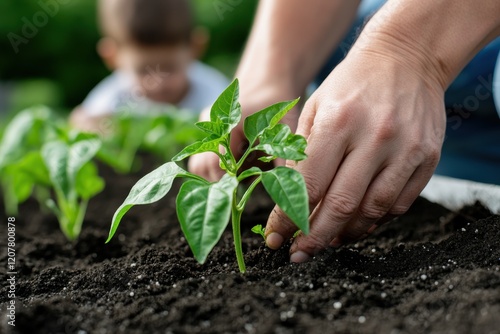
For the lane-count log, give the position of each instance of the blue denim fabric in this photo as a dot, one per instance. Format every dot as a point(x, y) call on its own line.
point(471, 149)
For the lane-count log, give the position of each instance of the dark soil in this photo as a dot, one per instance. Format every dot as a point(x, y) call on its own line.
point(430, 271)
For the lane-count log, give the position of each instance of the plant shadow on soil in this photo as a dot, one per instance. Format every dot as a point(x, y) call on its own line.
point(429, 271)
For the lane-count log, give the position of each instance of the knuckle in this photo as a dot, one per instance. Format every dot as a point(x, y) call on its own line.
point(424, 153)
point(399, 209)
point(314, 189)
point(338, 115)
point(311, 244)
point(374, 210)
point(341, 206)
point(279, 222)
point(386, 130)
point(433, 156)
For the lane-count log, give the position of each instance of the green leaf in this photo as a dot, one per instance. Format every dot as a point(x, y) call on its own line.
point(216, 128)
point(279, 141)
point(287, 188)
point(64, 162)
point(19, 184)
point(88, 183)
point(55, 155)
point(255, 124)
point(226, 108)
point(38, 175)
point(203, 211)
point(253, 171)
point(12, 144)
point(267, 158)
point(258, 229)
point(80, 153)
point(149, 189)
point(209, 145)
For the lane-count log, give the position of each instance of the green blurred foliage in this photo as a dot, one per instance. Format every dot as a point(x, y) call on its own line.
point(61, 47)
point(229, 23)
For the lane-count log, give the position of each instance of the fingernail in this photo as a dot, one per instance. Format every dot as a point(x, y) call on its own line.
point(299, 257)
point(274, 240)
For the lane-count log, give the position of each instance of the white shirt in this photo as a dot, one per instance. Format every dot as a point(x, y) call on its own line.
point(117, 91)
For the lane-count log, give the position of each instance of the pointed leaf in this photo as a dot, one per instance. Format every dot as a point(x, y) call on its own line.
point(216, 128)
point(149, 189)
point(63, 162)
point(55, 155)
point(80, 153)
point(226, 108)
point(17, 131)
point(280, 142)
point(268, 117)
point(18, 185)
point(249, 172)
point(258, 229)
point(38, 175)
point(211, 145)
point(88, 183)
point(287, 188)
point(267, 158)
point(204, 212)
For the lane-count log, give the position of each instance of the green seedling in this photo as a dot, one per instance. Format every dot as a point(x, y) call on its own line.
point(203, 208)
point(39, 156)
point(159, 132)
point(23, 136)
point(74, 179)
point(260, 230)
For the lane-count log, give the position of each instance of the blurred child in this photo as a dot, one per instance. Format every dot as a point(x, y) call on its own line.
point(152, 47)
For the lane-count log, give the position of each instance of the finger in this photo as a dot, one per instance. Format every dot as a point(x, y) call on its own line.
point(380, 197)
point(412, 188)
point(206, 165)
point(340, 203)
point(318, 171)
point(306, 118)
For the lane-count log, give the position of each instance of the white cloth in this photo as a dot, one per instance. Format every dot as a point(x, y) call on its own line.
point(117, 92)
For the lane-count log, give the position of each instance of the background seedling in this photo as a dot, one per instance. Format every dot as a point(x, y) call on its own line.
point(203, 208)
point(20, 148)
point(42, 157)
point(74, 179)
point(159, 132)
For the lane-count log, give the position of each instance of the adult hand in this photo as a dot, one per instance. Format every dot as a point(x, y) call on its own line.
point(374, 128)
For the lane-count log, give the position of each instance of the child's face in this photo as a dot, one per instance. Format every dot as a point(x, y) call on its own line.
point(160, 72)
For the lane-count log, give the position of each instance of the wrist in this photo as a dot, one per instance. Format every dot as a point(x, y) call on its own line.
point(409, 58)
point(260, 88)
point(268, 80)
point(433, 38)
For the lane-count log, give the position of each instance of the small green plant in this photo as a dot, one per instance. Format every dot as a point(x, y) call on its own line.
point(40, 156)
point(260, 230)
point(74, 179)
point(203, 208)
point(24, 135)
point(159, 132)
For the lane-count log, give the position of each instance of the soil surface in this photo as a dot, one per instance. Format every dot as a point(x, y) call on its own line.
point(429, 271)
